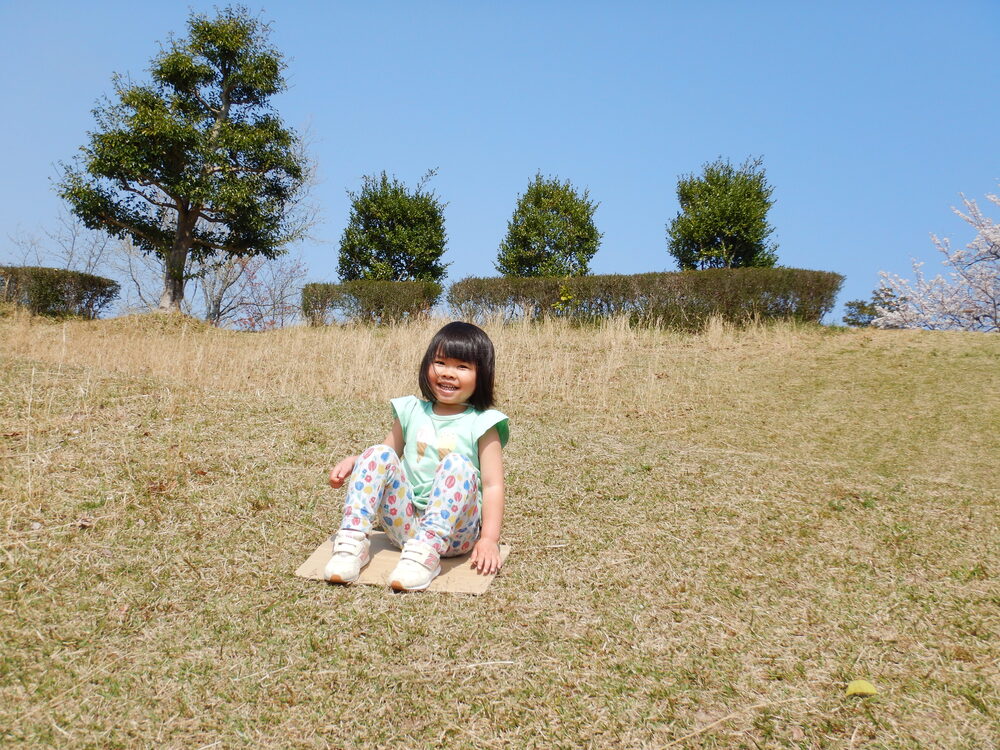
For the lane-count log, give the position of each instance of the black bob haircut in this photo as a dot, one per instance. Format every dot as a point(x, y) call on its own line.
point(471, 344)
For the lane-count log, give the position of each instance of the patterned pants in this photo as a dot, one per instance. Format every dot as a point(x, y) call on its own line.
point(378, 488)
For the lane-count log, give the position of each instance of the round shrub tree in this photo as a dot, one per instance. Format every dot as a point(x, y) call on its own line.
point(551, 233)
point(723, 218)
point(393, 233)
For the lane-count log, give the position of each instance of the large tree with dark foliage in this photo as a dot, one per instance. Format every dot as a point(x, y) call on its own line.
point(195, 164)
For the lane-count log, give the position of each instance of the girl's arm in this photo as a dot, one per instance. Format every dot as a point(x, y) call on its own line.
point(343, 469)
point(395, 438)
point(486, 553)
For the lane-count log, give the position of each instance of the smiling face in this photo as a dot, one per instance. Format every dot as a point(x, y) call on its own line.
point(452, 382)
point(468, 349)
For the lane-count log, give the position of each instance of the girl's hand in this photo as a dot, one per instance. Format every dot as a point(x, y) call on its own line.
point(340, 472)
point(486, 557)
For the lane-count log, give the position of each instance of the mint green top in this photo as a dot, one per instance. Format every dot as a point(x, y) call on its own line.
point(429, 437)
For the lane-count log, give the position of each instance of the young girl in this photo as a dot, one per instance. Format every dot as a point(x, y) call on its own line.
point(436, 481)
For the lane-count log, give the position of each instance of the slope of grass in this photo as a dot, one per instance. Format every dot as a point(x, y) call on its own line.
point(712, 535)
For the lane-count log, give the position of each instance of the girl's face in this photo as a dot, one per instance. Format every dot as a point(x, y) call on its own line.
point(453, 381)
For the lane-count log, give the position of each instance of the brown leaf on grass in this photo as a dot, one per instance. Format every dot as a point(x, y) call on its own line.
point(960, 653)
point(161, 487)
point(83, 522)
point(119, 614)
point(887, 636)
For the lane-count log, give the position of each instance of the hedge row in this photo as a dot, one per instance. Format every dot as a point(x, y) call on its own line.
point(56, 291)
point(684, 299)
point(368, 301)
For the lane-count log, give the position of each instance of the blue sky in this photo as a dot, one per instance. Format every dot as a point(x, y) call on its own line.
point(871, 118)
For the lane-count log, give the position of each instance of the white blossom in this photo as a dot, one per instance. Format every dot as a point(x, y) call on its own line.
point(966, 299)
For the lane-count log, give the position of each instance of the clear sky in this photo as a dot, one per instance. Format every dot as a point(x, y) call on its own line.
point(871, 117)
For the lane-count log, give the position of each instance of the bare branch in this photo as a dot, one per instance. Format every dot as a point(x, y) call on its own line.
point(28, 249)
point(201, 100)
point(111, 220)
point(127, 188)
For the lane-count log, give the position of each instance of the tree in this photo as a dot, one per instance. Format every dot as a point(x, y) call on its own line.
point(862, 313)
point(69, 245)
point(551, 233)
point(968, 300)
point(393, 233)
point(196, 164)
point(723, 218)
point(255, 294)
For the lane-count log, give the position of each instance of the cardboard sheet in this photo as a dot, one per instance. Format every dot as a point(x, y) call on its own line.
point(456, 576)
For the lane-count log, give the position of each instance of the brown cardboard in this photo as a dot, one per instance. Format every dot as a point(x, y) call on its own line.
point(457, 576)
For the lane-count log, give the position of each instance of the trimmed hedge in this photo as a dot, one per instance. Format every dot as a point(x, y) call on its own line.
point(56, 291)
point(683, 299)
point(368, 301)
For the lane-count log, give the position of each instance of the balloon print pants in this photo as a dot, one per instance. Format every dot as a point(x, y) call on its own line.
point(378, 489)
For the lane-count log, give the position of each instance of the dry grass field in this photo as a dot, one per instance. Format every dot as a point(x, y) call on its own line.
point(712, 534)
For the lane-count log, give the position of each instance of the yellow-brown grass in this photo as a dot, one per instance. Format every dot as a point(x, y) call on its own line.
point(712, 534)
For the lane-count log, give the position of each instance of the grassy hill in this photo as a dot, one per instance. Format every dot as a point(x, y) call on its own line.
point(712, 534)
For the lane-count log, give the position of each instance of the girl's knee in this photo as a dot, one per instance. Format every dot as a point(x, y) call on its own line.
point(377, 460)
point(455, 463)
point(380, 451)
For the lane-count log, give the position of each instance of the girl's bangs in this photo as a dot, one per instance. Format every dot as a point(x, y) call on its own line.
point(459, 348)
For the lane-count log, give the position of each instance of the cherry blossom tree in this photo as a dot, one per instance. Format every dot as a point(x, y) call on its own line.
point(967, 299)
point(254, 294)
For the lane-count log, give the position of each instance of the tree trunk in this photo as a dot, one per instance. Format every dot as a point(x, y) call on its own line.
point(213, 308)
point(174, 263)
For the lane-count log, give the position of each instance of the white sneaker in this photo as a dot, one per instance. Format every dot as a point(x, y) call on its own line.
point(418, 565)
point(350, 555)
